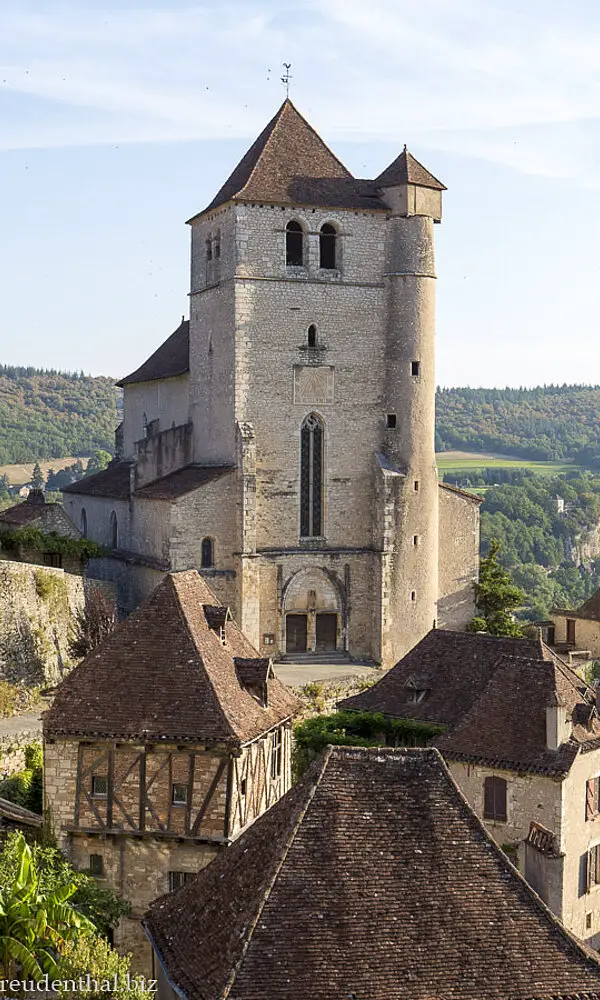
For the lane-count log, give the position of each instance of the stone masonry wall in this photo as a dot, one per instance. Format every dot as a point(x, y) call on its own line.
point(458, 559)
point(37, 607)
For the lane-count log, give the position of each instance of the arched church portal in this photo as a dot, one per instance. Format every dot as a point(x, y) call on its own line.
point(313, 616)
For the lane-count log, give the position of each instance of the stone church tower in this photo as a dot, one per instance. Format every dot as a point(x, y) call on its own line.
point(282, 440)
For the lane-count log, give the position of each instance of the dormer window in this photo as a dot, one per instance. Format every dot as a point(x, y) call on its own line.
point(327, 248)
point(294, 244)
point(417, 695)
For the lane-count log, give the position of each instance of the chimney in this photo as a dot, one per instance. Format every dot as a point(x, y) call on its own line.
point(36, 497)
point(558, 726)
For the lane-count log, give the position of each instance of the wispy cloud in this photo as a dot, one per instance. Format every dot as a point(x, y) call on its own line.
point(503, 80)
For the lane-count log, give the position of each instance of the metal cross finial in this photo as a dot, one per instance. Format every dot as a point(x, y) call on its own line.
point(285, 79)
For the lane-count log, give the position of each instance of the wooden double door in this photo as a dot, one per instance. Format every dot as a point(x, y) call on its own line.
point(297, 633)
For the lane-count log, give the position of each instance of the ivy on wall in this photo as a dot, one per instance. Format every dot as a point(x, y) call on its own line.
point(38, 541)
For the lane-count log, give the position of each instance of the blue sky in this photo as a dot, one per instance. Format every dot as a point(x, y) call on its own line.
point(120, 120)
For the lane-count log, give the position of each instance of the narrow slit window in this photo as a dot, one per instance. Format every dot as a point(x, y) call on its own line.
point(327, 248)
point(415, 368)
point(276, 754)
point(312, 335)
point(391, 421)
point(416, 485)
point(218, 244)
point(209, 247)
point(311, 477)
point(413, 595)
point(415, 539)
point(294, 244)
point(114, 530)
point(83, 523)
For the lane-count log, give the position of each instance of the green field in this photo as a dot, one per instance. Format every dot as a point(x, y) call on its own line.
point(469, 461)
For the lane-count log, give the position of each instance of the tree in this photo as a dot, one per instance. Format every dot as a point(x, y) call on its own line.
point(91, 962)
point(37, 478)
point(36, 921)
point(92, 624)
point(99, 905)
point(97, 462)
point(496, 598)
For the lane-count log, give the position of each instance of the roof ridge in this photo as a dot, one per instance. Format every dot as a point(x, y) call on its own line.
point(189, 631)
point(300, 817)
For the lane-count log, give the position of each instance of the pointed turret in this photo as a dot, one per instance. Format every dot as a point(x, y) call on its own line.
point(409, 189)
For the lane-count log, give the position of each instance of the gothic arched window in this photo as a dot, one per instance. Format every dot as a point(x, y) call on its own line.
point(114, 530)
point(311, 335)
point(327, 238)
point(83, 522)
point(207, 553)
point(294, 244)
point(311, 477)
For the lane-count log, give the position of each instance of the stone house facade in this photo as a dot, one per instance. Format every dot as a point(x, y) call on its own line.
point(281, 440)
point(522, 741)
point(576, 633)
point(371, 878)
point(48, 518)
point(162, 746)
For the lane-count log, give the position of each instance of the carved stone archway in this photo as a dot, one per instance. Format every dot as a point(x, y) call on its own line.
point(313, 613)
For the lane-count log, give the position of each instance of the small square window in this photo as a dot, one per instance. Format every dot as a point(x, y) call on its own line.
point(99, 786)
point(415, 368)
point(179, 794)
point(96, 865)
point(178, 879)
point(391, 420)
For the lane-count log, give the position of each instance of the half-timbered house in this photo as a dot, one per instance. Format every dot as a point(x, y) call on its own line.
point(162, 746)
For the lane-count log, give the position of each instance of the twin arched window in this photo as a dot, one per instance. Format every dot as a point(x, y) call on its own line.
point(311, 477)
point(294, 246)
point(207, 553)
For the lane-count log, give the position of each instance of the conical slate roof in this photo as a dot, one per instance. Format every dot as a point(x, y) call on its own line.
point(165, 673)
point(290, 164)
point(371, 879)
point(406, 170)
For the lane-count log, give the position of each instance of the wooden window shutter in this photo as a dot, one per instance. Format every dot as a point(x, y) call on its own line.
point(590, 798)
point(488, 798)
point(591, 868)
point(500, 799)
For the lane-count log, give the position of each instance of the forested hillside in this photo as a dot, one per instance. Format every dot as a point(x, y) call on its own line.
point(548, 422)
point(50, 414)
point(548, 533)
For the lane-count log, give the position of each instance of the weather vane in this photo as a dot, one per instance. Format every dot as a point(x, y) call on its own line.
point(285, 79)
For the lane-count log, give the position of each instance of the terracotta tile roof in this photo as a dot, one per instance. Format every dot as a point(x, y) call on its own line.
point(182, 481)
point(12, 813)
point(406, 170)
point(459, 664)
point(372, 878)
point(543, 840)
point(290, 164)
point(462, 493)
point(165, 674)
point(493, 732)
point(170, 359)
point(112, 482)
